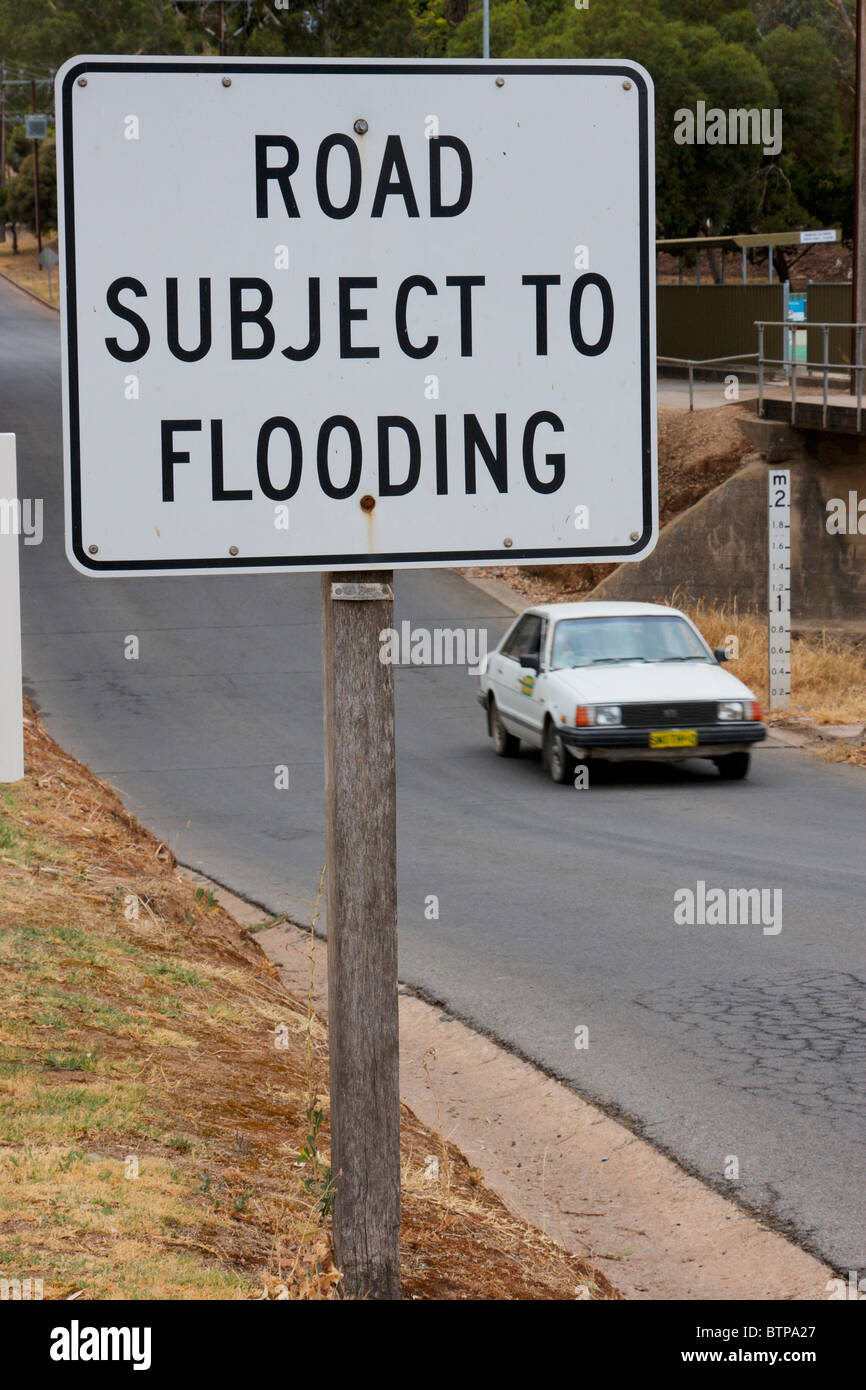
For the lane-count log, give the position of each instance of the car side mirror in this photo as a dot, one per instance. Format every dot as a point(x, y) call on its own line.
point(532, 660)
point(720, 654)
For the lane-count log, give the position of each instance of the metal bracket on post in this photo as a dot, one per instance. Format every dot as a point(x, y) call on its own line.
point(760, 369)
point(360, 592)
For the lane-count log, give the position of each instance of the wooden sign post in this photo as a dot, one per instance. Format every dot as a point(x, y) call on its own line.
point(361, 860)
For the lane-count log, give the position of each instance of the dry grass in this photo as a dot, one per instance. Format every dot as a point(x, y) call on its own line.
point(24, 270)
point(844, 752)
point(828, 676)
point(138, 1036)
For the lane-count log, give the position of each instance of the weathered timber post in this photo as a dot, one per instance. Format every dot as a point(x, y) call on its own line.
point(361, 858)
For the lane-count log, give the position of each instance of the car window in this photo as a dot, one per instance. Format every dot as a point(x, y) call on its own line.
point(525, 638)
point(591, 641)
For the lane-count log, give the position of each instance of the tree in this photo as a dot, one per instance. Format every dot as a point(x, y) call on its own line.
point(740, 26)
point(730, 55)
point(19, 199)
point(796, 55)
point(35, 33)
point(329, 28)
point(801, 66)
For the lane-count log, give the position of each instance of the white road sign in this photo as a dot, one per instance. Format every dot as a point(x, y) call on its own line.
point(808, 238)
point(355, 314)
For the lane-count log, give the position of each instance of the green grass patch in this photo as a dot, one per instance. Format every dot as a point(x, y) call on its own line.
point(178, 974)
point(70, 1061)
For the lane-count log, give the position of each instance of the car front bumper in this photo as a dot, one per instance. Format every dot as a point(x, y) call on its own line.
point(714, 740)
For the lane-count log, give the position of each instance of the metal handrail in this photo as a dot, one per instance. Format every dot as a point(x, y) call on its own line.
point(825, 367)
point(702, 361)
point(803, 323)
point(692, 362)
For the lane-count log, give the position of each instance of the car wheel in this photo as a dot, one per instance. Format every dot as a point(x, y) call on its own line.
point(560, 763)
point(505, 745)
point(733, 767)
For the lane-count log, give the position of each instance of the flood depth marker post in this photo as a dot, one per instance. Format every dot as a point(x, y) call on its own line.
point(779, 591)
point(361, 860)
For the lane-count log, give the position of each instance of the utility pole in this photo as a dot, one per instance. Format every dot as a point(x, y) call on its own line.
point(36, 172)
point(486, 30)
point(858, 277)
point(2, 145)
point(222, 29)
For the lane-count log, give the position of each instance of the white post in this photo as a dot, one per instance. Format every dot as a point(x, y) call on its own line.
point(11, 724)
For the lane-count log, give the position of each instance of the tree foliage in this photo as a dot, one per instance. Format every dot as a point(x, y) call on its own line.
point(792, 55)
point(796, 56)
point(18, 194)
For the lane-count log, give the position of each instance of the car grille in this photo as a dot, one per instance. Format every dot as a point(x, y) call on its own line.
point(670, 715)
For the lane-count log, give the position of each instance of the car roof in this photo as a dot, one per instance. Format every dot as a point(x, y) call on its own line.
point(612, 609)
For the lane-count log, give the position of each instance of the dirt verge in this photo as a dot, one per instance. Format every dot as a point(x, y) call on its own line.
point(163, 1097)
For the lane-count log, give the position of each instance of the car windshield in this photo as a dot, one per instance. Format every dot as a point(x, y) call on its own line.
point(594, 641)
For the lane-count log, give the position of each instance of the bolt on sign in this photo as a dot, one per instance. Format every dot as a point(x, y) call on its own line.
point(357, 314)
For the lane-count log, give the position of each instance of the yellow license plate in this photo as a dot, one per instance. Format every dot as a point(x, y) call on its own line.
point(674, 738)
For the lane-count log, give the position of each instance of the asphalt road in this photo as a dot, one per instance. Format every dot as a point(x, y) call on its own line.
point(556, 906)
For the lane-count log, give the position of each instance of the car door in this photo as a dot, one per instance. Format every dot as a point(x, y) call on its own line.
point(536, 689)
point(499, 669)
point(515, 693)
point(531, 687)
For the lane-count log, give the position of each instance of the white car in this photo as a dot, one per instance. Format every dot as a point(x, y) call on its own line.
point(615, 681)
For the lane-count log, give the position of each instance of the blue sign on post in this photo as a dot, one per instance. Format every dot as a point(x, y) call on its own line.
point(797, 314)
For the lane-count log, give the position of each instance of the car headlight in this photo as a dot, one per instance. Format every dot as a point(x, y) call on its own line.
point(732, 709)
point(606, 714)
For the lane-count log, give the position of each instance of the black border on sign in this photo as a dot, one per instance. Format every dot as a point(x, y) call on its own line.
point(369, 561)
